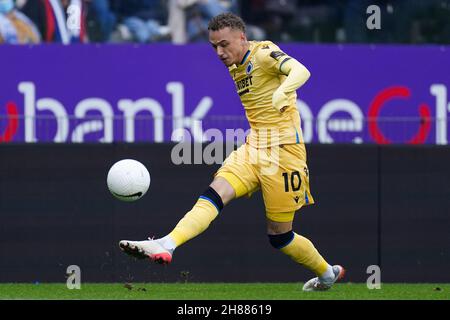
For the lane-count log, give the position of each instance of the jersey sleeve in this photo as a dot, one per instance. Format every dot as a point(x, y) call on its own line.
point(271, 58)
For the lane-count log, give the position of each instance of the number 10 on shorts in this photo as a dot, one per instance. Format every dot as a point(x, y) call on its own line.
point(293, 179)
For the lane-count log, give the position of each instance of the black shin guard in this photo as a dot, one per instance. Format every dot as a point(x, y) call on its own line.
point(212, 196)
point(279, 241)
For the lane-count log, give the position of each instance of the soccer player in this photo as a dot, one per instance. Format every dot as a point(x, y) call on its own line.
point(273, 158)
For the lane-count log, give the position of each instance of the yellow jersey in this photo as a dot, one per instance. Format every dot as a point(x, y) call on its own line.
point(256, 78)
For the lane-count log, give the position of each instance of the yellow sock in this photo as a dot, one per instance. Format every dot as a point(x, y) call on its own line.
point(302, 251)
point(194, 222)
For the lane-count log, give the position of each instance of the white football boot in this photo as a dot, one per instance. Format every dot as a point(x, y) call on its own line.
point(316, 284)
point(150, 249)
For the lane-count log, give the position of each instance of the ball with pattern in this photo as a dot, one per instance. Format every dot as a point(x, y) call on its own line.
point(128, 180)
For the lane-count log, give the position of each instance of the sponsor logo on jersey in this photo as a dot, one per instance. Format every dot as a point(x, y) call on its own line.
point(244, 83)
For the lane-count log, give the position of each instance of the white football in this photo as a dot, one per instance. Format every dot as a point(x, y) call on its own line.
point(128, 180)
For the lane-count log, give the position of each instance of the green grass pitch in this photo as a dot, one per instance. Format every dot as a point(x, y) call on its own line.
point(221, 291)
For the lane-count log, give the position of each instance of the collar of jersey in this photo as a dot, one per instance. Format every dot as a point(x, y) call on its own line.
point(245, 57)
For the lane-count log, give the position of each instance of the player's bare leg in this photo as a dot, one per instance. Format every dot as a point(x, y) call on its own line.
point(206, 209)
point(302, 251)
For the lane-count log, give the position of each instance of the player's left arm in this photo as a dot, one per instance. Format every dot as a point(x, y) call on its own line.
point(297, 74)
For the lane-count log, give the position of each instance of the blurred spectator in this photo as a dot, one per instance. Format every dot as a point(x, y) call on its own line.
point(15, 27)
point(184, 21)
point(355, 18)
point(279, 18)
point(101, 20)
point(188, 19)
point(177, 20)
point(319, 21)
point(294, 20)
point(254, 14)
point(51, 18)
point(201, 12)
point(420, 21)
point(142, 20)
point(402, 21)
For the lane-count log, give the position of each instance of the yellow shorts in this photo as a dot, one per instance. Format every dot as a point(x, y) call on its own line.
point(280, 172)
